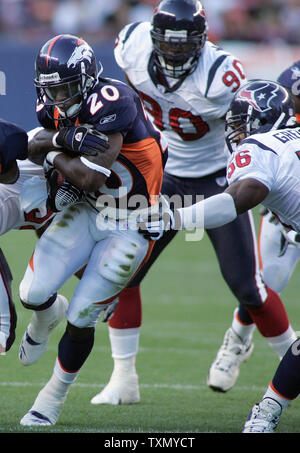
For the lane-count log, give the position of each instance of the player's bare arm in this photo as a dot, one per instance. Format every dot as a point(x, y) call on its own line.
point(89, 178)
point(247, 193)
point(39, 145)
point(223, 208)
point(11, 175)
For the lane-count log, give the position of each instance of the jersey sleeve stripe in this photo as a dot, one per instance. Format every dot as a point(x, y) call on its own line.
point(130, 30)
point(212, 72)
point(257, 142)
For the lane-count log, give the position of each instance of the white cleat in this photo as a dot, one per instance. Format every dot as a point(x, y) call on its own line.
point(34, 418)
point(224, 371)
point(119, 390)
point(47, 405)
point(264, 417)
point(31, 348)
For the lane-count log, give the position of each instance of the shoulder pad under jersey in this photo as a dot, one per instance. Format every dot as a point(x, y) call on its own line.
point(111, 106)
point(132, 43)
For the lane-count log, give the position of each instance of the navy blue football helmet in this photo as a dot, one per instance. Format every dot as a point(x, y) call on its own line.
point(290, 78)
point(259, 106)
point(178, 35)
point(66, 70)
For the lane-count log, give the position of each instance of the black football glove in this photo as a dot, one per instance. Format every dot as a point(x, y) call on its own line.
point(82, 140)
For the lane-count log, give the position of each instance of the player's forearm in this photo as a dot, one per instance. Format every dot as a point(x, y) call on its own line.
point(78, 173)
point(212, 212)
point(40, 144)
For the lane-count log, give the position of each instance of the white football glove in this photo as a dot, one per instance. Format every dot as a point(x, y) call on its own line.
point(288, 236)
point(292, 237)
point(157, 222)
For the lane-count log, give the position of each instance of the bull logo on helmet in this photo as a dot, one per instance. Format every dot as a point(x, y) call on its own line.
point(260, 98)
point(82, 52)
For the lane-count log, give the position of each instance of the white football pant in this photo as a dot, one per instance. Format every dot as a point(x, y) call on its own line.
point(77, 236)
point(277, 267)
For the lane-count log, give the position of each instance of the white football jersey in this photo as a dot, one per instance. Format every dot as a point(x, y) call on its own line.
point(191, 116)
point(273, 159)
point(12, 215)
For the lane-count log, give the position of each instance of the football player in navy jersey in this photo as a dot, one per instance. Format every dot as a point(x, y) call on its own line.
point(15, 170)
point(187, 83)
point(13, 146)
point(98, 137)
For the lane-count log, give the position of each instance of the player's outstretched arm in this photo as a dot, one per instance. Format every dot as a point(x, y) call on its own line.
point(247, 193)
point(223, 208)
point(212, 212)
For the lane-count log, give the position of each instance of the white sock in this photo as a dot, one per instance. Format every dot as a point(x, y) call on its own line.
point(281, 343)
point(124, 342)
point(63, 375)
point(124, 367)
point(124, 347)
point(244, 331)
point(51, 398)
point(284, 402)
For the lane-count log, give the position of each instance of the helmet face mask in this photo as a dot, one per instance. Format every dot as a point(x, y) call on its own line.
point(260, 106)
point(66, 70)
point(178, 36)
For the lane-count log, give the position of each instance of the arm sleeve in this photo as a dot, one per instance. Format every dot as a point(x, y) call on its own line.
point(212, 212)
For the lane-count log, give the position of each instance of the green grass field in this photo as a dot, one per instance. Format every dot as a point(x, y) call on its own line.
point(186, 309)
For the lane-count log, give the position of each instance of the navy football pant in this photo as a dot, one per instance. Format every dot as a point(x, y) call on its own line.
point(234, 243)
point(236, 250)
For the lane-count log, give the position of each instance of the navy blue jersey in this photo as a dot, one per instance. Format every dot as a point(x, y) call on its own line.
point(112, 106)
point(13, 145)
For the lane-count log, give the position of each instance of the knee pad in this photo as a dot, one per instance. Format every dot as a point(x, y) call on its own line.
point(119, 261)
point(32, 293)
point(77, 333)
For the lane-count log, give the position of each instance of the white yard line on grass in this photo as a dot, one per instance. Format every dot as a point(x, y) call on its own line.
point(146, 386)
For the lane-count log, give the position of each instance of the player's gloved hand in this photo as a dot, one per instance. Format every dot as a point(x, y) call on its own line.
point(66, 195)
point(61, 193)
point(155, 225)
point(292, 237)
point(81, 140)
point(270, 217)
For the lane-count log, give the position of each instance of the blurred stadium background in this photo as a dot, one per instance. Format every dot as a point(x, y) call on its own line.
point(263, 34)
point(187, 306)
